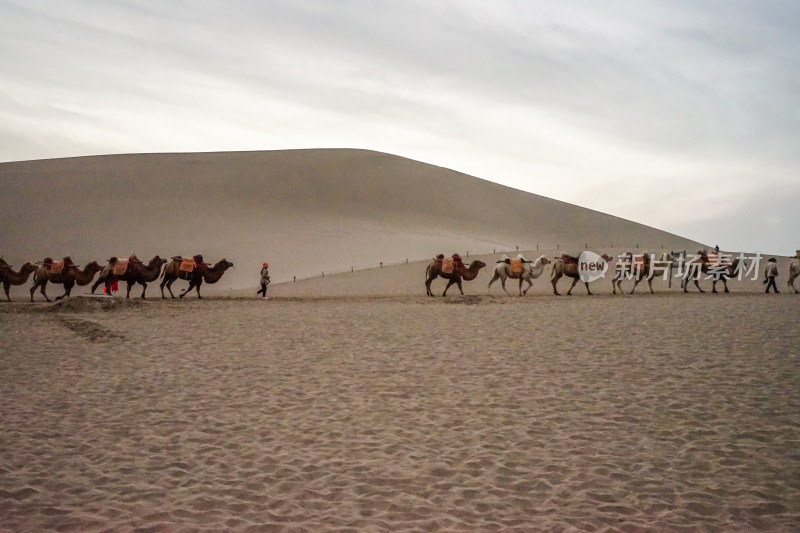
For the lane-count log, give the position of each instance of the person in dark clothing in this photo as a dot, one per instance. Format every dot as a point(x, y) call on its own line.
point(264, 280)
point(770, 273)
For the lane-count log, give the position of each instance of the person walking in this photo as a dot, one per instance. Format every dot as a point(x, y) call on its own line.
point(770, 273)
point(264, 281)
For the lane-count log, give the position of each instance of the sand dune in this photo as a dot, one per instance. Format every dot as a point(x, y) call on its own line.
point(304, 211)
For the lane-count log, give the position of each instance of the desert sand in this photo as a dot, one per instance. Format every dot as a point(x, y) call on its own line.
point(664, 412)
point(350, 401)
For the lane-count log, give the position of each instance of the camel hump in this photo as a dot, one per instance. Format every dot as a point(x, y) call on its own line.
point(569, 259)
point(177, 258)
point(439, 257)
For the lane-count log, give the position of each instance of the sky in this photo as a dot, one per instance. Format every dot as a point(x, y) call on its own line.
point(682, 115)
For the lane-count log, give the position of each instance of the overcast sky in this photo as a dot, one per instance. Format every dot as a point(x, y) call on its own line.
point(683, 115)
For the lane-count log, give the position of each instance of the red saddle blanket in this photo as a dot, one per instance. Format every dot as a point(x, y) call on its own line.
point(56, 267)
point(516, 266)
point(569, 260)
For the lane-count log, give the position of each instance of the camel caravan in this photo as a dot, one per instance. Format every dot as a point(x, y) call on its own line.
point(130, 270)
point(636, 267)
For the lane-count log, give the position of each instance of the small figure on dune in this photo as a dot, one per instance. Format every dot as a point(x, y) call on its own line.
point(770, 273)
point(453, 270)
point(264, 281)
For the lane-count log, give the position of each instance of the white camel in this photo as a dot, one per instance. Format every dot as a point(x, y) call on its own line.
point(794, 272)
point(530, 271)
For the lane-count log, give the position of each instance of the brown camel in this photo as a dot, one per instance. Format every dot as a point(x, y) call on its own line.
point(720, 270)
point(9, 277)
point(568, 266)
point(69, 276)
point(137, 272)
point(459, 273)
point(639, 267)
point(196, 277)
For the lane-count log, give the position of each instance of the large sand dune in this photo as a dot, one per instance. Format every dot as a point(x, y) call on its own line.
point(304, 211)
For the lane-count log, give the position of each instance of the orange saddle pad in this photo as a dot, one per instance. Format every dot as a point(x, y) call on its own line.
point(516, 266)
point(448, 265)
point(56, 267)
point(187, 264)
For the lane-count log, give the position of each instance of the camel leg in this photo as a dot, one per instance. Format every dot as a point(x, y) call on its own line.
point(554, 280)
point(650, 284)
point(428, 285)
point(459, 286)
point(130, 286)
point(450, 282)
point(697, 284)
point(530, 284)
point(587, 288)
point(7, 287)
point(725, 284)
point(575, 282)
point(144, 288)
point(503, 284)
point(635, 283)
point(184, 293)
point(67, 291)
point(168, 283)
point(494, 278)
point(97, 284)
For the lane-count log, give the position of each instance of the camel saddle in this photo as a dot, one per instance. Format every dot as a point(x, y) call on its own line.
point(119, 267)
point(187, 264)
point(448, 265)
point(516, 266)
point(55, 267)
point(569, 259)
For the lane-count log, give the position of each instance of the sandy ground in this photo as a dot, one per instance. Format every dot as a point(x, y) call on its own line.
point(480, 413)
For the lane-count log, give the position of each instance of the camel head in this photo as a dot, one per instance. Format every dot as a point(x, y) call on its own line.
point(157, 261)
point(544, 260)
point(224, 264)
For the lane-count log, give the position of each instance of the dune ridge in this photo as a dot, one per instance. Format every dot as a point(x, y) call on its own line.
point(304, 211)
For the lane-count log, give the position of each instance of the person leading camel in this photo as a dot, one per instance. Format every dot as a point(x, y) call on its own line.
point(770, 273)
point(264, 281)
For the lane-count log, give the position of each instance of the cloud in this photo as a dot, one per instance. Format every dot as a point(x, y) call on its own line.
point(593, 103)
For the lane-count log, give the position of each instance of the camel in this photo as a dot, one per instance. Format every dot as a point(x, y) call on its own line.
point(645, 271)
point(68, 277)
point(137, 272)
point(530, 271)
point(200, 273)
point(9, 277)
point(724, 270)
point(461, 272)
point(794, 272)
point(570, 269)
